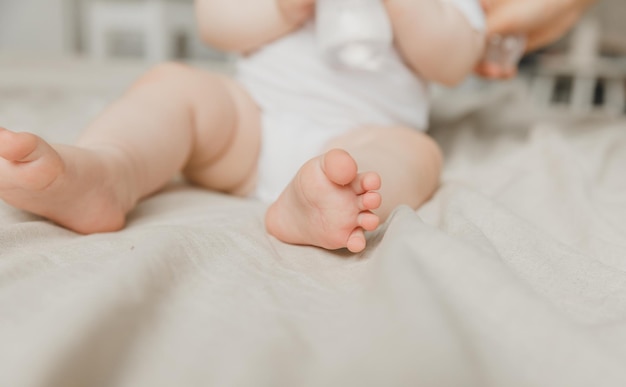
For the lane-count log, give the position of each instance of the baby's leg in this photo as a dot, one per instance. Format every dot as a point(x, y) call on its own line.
point(174, 118)
point(329, 203)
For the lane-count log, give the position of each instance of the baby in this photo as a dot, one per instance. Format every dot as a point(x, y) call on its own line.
point(334, 151)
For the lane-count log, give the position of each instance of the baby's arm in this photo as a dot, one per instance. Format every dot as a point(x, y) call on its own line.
point(436, 39)
point(244, 25)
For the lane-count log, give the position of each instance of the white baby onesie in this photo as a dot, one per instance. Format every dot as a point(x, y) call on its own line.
point(305, 102)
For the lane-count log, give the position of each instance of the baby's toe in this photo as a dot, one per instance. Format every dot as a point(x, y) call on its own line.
point(339, 167)
point(369, 181)
point(369, 201)
point(17, 146)
point(368, 221)
point(356, 241)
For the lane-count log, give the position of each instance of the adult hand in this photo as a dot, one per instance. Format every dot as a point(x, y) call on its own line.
point(296, 11)
point(541, 21)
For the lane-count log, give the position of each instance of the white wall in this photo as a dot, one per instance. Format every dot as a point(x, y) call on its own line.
point(57, 27)
point(40, 26)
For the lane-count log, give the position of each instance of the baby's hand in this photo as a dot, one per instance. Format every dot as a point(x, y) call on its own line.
point(296, 11)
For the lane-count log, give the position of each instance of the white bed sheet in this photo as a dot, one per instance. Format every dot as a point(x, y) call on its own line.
point(514, 274)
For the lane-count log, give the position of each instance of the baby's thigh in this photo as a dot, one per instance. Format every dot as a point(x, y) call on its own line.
point(225, 122)
point(228, 141)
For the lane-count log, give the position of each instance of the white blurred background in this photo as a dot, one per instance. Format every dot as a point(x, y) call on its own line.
point(584, 72)
point(104, 29)
point(132, 28)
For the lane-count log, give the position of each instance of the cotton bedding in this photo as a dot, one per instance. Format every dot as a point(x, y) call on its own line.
point(514, 274)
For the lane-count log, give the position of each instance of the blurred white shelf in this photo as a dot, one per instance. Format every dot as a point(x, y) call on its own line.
point(156, 30)
point(582, 80)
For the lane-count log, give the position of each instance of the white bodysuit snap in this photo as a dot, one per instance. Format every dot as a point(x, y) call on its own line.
point(306, 102)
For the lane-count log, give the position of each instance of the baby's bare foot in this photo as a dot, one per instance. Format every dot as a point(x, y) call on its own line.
point(328, 204)
point(71, 186)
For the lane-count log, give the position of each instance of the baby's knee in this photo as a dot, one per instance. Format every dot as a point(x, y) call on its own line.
point(419, 145)
point(432, 147)
point(164, 72)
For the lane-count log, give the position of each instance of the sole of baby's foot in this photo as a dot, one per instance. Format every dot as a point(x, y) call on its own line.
point(70, 186)
point(328, 204)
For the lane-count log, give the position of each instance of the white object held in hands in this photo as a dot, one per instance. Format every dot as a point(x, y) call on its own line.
point(354, 34)
point(505, 50)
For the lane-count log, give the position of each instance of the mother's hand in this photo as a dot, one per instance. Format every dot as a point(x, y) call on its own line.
point(541, 21)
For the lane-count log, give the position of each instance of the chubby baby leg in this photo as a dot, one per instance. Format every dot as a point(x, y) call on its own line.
point(329, 203)
point(173, 119)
